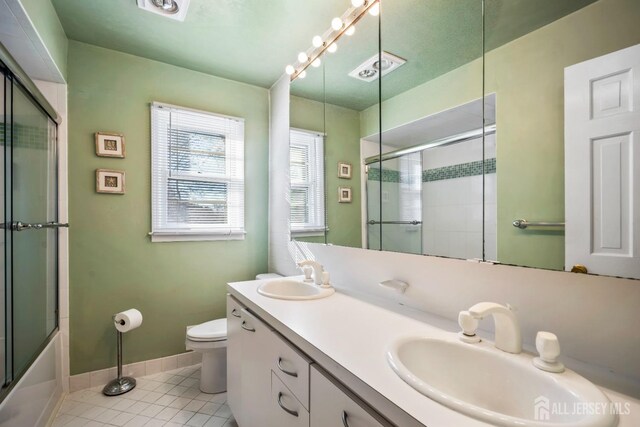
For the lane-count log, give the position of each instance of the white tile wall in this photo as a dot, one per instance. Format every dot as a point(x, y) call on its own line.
point(452, 209)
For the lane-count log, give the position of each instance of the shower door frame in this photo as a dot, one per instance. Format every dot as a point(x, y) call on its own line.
point(13, 77)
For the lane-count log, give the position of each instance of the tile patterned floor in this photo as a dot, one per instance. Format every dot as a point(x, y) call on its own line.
point(165, 399)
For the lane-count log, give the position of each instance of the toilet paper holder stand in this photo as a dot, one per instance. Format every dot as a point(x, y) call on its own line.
point(121, 384)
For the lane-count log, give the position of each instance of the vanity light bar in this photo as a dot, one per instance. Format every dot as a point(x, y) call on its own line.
point(348, 21)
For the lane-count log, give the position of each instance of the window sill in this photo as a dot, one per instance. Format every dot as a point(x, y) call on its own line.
point(161, 237)
point(311, 232)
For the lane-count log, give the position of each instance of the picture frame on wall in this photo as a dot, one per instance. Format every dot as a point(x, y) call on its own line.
point(110, 144)
point(344, 195)
point(109, 181)
point(344, 170)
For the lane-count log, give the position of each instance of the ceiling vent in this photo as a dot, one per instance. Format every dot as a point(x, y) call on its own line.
point(374, 67)
point(174, 9)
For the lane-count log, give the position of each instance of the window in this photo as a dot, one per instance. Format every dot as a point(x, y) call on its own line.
point(197, 175)
point(307, 182)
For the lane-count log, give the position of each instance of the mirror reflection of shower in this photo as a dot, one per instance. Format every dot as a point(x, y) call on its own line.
point(430, 182)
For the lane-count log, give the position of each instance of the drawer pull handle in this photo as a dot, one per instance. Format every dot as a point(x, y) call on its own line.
point(345, 421)
point(234, 313)
point(284, 408)
point(291, 373)
point(243, 325)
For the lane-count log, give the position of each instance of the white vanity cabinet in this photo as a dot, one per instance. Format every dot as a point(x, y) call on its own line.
point(234, 353)
point(271, 383)
point(333, 405)
point(249, 357)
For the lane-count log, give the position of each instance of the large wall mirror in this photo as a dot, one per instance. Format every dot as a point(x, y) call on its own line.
point(497, 130)
point(326, 109)
point(566, 80)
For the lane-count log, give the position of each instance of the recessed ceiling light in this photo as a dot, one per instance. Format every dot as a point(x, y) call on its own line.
point(377, 66)
point(168, 6)
point(367, 73)
point(174, 9)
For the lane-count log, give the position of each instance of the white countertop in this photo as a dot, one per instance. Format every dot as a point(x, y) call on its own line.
point(356, 334)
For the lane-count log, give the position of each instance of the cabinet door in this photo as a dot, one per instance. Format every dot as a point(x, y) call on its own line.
point(234, 356)
point(257, 352)
point(285, 409)
point(334, 405)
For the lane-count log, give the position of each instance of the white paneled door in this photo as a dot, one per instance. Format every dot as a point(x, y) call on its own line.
point(602, 164)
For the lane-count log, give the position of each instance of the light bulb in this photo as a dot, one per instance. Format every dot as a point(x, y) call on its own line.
point(350, 30)
point(302, 57)
point(375, 10)
point(317, 41)
point(336, 23)
point(332, 48)
point(289, 69)
point(302, 75)
point(357, 3)
point(316, 63)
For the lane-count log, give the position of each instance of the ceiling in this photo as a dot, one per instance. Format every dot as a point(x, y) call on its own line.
point(252, 40)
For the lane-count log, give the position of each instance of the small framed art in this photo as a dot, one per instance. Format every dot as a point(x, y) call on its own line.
point(110, 144)
point(344, 170)
point(344, 194)
point(110, 181)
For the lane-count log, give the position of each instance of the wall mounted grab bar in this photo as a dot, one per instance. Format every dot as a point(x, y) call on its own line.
point(372, 222)
point(523, 224)
point(20, 226)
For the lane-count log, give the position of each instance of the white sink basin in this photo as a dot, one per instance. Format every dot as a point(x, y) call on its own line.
point(503, 389)
point(293, 290)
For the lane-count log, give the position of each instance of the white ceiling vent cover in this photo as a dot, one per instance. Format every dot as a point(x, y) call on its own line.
point(179, 14)
point(370, 70)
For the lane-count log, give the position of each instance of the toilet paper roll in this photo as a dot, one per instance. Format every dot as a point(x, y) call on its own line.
point(128, 320)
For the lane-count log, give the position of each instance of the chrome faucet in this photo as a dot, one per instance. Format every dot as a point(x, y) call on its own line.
point(317, 270)
point(507, 329)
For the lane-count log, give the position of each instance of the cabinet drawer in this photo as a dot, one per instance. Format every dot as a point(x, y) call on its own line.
point(334, 405)
point(292, 367)
point(285, 409)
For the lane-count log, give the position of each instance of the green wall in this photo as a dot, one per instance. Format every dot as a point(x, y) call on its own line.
point(45, 20)
point(113, 264)
point(342, 143)
point(527, 75)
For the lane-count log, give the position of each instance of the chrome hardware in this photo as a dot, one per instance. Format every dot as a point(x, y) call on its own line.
point(21, 226)
point(523, 224)
point(414, 222)
point(284, 408)
point(242, 325)
point(465, 136)
point(290, 373)
point(345, 421)
point(234, 312)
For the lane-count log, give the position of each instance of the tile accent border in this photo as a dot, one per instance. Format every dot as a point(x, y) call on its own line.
point(138, 369)
point(388, 175)
point(459, 171)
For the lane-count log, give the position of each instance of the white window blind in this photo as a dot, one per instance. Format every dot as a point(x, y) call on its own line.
point(197, 175)
point(307, 182)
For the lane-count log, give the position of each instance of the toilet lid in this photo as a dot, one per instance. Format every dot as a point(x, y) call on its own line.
point(215, 330)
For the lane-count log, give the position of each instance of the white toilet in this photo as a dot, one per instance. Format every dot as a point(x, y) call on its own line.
point(210, 339)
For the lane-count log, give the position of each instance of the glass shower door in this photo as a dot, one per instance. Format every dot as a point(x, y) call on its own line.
point(30, 232)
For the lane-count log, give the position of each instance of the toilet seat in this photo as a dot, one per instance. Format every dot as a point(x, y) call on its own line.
point(212, 331)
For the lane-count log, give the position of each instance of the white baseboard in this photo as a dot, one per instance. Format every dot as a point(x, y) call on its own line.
point(138, 369)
